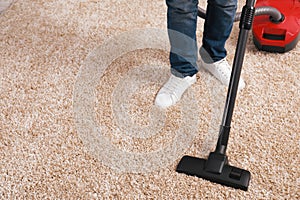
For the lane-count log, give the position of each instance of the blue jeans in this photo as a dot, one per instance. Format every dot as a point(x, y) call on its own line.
point(182, 25)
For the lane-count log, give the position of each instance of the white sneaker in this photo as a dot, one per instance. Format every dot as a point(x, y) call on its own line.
point(172, 91)
point(222, 71)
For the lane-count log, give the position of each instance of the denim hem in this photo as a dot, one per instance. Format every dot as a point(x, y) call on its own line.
point(182, 75)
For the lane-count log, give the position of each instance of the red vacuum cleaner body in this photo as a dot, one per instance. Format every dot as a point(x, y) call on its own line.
point(277, 36)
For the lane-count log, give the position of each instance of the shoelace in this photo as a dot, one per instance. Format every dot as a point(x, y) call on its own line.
point(223, 69)
point(175, 85)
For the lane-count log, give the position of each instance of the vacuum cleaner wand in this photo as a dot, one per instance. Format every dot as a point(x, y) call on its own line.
point(216, 167)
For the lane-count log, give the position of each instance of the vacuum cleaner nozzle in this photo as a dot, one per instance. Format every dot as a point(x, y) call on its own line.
point(215, 169)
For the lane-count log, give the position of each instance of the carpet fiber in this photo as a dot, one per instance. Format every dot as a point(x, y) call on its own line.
point(77, 120)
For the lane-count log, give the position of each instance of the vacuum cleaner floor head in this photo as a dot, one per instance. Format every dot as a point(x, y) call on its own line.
point(277, 36)
point(229, 176)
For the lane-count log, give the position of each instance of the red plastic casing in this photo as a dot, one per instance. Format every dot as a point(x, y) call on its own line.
point(277, 37)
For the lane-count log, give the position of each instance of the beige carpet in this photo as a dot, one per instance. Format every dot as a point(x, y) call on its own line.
point(77, 119)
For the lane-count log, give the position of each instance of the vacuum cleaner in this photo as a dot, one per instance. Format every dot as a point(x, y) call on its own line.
point(216, 167)
point(277, 36)
point(276, 25)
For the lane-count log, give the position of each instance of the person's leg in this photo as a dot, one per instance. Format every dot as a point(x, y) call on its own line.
point(217, 28)
point(182, 25)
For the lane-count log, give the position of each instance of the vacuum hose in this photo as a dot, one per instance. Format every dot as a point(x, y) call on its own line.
point(275, 15)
